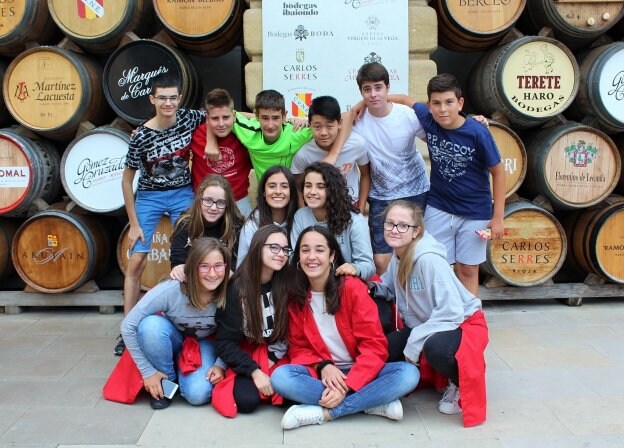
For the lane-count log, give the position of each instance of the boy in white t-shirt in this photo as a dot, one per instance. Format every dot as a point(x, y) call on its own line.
point(325, 121)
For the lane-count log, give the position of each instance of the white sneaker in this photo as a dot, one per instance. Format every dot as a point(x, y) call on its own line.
point(392, 410)
point(449, 404)
point(302, 415)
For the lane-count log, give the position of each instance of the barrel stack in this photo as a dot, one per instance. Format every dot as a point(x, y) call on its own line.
point(75, 80)
point(75, 74)
point(554, 77)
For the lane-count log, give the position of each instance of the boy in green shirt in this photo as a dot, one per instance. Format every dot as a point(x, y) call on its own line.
point(268, 137)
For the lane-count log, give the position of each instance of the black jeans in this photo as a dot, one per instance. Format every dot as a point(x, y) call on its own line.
point(439, 350)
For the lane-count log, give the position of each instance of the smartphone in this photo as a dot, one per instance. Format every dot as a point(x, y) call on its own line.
point(169, 388)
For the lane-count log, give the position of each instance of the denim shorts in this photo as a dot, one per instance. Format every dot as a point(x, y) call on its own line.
point(376, 208)
point(151, 205)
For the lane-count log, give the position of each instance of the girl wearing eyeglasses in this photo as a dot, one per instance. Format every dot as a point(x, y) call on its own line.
point(337, 348)
point(252, 326)
point(445, 330)
point(213, 214)
point(329, 204)
point(169, 344)
point(276, 203)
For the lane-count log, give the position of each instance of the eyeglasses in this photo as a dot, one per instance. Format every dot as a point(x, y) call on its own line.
point(208, 202)
point(205, 268)
point(275, 248)
point(172, 98)
point(401, 228)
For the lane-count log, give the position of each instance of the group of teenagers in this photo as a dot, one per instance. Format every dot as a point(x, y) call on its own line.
point(300, 302)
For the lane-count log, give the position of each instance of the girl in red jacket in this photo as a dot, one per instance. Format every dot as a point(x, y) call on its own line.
point(336, 345)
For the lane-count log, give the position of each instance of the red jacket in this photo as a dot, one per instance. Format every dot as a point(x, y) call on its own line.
point(357, 320)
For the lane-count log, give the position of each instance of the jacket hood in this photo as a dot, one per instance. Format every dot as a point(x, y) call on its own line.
point(428, 244)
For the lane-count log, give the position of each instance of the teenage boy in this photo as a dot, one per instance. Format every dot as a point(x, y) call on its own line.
point(268, 137)
point(234, 163)
point(397, 168)
point(160, 150)
point(325, 120)
point(463, 155)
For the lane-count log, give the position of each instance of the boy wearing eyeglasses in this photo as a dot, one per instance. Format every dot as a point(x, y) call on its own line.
point(160, 150)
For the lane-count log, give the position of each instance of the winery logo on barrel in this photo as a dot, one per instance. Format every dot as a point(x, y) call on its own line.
point(21, 91)
point(580, 154)
point(90, 9)
point(535, 59)
point(618, 87)
point(93, 172)
point(138, 83)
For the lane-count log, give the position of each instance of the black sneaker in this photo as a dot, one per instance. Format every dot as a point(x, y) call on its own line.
point(161, 403)
point(120, 347)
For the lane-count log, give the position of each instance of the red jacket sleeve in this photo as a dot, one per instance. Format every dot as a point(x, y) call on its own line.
point(358, 323)
point(300, 349)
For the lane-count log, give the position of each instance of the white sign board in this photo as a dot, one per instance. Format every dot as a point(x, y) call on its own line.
point(315, 47)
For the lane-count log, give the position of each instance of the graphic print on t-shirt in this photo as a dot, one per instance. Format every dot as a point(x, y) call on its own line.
point(226, 162)
point(169, 167)
point(196, 326)
point(268, 313)
point(452, 159)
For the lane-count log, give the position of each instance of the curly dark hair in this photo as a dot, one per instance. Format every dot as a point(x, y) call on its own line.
point(339, 205)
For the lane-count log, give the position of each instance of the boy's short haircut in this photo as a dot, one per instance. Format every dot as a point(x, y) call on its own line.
point(218, 98)
point(372, 72)
point(325, 106)
point(270, 99)
point(165, 80)
point(444, 82)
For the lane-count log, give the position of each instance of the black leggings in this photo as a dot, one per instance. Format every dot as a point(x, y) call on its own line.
point(246, 395)
point(439, 350)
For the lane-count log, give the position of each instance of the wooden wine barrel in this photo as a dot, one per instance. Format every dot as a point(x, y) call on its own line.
point(513, 155)
point(475, 26)
point(203, 28)
point(58, 251)
point(23, 22)
point(5, 116)
point(158, 264)
point(92, 167)
point(573, 165)
point(99, 26)
point(532, 252)
point(528, 80)
point(597, 241)
point(576, 23)
point(601, 91)
point(619, 142)
point(51, 91)
point(130, 69)
point(8, 227)
point(29, 170)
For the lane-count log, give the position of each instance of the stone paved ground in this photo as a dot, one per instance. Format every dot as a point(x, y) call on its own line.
point(554, 380)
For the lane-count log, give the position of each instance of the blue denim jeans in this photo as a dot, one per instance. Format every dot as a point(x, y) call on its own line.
point(161, 343)
point(395, 380)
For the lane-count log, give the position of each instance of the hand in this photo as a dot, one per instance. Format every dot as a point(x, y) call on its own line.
point(416, 363)
point(498, 228)
point(153, 386)
point(298, 123)
point(135, 234)
point(212, 154)
point(177, 273)
point(333, 378)
point(262, 382)
point(215, 374)
point(481, 119)
point(346, 269)
point(357, 110)
point(331, 398)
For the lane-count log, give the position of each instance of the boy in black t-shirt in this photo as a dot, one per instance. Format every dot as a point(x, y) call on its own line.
point(160, 150)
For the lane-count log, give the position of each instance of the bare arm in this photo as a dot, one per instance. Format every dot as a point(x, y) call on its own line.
point(498, 187)
point(402, 99)
point(365, 183)
point(343, 135)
